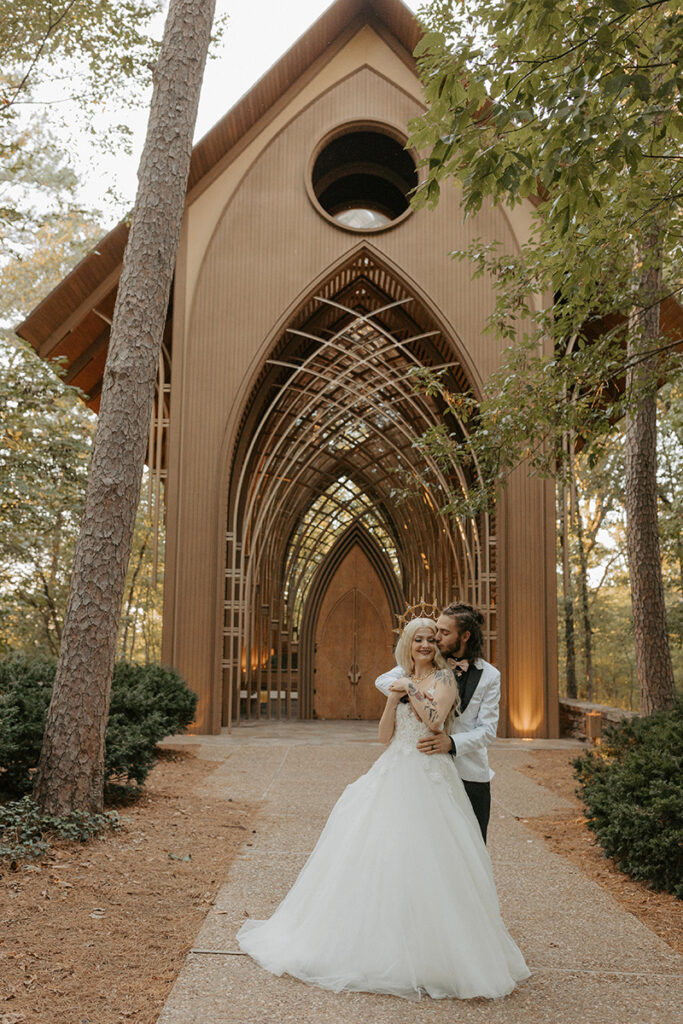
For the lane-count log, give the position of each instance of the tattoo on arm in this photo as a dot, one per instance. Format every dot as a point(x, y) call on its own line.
point(430, 706)
point(414, 692)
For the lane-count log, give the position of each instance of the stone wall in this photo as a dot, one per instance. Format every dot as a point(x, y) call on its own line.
point(573, 716)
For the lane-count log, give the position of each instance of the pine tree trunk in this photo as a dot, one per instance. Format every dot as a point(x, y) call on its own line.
point(131, 593)
point(570, 645)
point(71, 768)
point(653, 657)
point(583, 584)
point(567, 599)
point(585, 606)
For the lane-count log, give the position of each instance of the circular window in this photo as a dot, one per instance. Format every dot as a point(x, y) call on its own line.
point(363, 178)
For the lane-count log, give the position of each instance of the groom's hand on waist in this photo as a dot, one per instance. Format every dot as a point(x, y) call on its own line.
point(435, 743)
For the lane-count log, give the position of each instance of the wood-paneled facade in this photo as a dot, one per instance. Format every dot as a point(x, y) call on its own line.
point(286, 431)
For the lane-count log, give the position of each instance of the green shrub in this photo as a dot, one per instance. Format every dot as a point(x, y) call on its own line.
point(25, 833)
point(148, 702)
point(25, 691)
point(632, 787)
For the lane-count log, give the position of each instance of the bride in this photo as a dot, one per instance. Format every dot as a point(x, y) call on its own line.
point(398, 895)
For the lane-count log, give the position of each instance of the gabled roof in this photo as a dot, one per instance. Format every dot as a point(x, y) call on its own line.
point(72, 321)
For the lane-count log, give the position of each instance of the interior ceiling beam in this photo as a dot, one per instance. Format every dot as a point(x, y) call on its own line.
point(291, 517)
point(297, 455)
point(335, 383)
point(350, 282)
point(292, 453)
point(357, 331)
point(388, 378)
point(252, 444)
point(294, 456)
point(418, 516)
point(255, 544)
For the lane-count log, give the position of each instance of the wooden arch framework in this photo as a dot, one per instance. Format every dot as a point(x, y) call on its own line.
point(326, 451)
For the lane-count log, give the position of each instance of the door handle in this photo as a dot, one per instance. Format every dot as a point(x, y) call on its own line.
point(354, 674)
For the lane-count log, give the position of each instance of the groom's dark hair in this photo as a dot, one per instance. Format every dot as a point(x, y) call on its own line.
point(468, 619)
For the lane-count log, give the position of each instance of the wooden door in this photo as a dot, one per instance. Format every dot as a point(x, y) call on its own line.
point(353, 642)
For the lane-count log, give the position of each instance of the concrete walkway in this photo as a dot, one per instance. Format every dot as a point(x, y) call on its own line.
point(591, 961)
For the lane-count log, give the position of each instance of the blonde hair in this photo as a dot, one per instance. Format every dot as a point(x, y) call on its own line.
point(405, 661)
point(404, 658)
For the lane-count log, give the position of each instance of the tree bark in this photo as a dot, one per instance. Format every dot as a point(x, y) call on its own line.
point(567, 598)
point(653, 656)
point(583, 592)
point(131, 593)
point(71, 769)
point(583, 577)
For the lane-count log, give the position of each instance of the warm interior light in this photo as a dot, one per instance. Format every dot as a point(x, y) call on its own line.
point(525, 718)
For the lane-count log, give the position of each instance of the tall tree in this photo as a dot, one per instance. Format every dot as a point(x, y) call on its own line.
point(143, 597)
point(45, 430)
point(71, 769)
point(567, 591)
point(579, 106)
point(577, 516)
point(45, 435)
point(670, 489)
point(78, 64)
point(43, 229)
point(103, 45)
point(599, 489)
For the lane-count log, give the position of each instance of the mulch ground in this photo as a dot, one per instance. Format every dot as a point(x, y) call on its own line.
point(97, 933)
point(567, 834)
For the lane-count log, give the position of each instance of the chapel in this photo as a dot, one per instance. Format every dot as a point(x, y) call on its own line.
point(301, 515)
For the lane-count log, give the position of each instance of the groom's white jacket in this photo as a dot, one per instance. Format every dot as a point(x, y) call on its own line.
point(475, 727)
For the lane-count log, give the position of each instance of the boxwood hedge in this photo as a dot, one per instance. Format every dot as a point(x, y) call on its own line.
point(148, 702)
point(632, 786)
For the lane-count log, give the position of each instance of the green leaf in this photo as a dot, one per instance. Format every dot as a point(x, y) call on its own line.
point(430, 41)
point(614, 83)
point(604, 36)
point(641, 86)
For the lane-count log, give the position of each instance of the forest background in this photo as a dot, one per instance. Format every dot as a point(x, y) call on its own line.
point(49, 220)
point(72, 126)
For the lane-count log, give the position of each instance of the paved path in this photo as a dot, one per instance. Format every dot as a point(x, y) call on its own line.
point(591, 961)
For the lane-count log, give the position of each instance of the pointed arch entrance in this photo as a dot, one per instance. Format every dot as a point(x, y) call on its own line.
point(326, 445)
point(347, 635)
point(353, 642)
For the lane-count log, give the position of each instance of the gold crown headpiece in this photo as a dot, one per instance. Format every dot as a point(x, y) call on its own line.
point(422, 610)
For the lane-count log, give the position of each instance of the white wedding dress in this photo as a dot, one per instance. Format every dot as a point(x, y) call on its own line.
point(398, 895)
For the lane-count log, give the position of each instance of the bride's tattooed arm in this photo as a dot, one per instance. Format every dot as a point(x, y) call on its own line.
point(433, 710)
point(387, 722)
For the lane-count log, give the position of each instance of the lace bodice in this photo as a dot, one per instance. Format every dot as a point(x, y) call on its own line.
point(408, 728)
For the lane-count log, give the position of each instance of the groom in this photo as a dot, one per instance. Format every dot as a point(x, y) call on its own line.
point(460, 640)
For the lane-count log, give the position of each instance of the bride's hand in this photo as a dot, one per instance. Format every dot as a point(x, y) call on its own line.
point(400, 686)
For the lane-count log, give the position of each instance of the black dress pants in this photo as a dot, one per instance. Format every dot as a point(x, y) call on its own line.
point(480, 798)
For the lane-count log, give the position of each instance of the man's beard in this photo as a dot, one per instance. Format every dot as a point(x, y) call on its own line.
point(451, 652)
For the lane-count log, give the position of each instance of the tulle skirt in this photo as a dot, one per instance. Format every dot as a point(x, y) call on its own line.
point(398, 895)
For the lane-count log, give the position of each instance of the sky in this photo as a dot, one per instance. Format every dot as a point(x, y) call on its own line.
point(257, 33)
